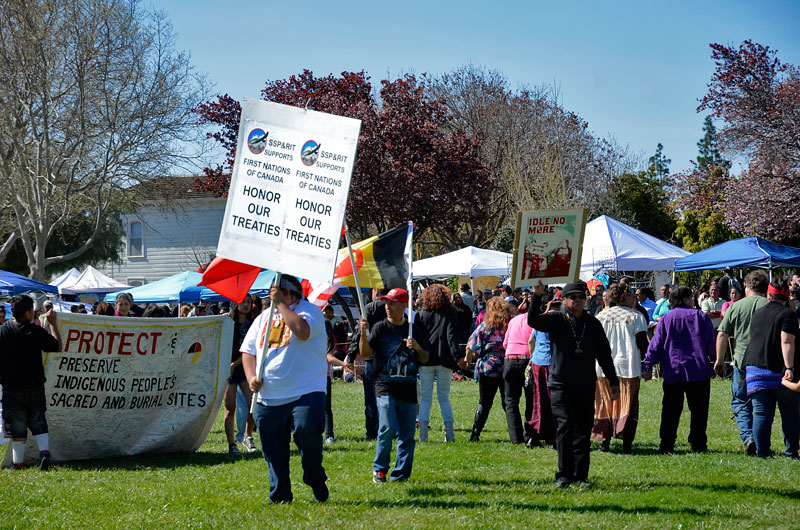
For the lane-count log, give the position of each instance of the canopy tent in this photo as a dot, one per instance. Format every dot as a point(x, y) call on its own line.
point(611, 245)
point(743, 252)
point(469, 261)
point(12, 284)
point(181, 287)
point(66, 279)
point(91, 280)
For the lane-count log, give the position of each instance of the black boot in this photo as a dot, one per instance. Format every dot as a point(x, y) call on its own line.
point(477, 426)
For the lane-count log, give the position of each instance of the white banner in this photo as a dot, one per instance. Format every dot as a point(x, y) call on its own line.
point(289, 188)
point(125, 386)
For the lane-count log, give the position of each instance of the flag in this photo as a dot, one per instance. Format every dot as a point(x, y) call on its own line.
point(229, 278)
point(381, 263)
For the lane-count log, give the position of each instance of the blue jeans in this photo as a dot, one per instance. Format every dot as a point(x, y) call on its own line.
point(763, 414)
point(395, 416)
point(370, 407)
point(242, 410)
point(741, 408)
point(305, 418)
point(443, 376)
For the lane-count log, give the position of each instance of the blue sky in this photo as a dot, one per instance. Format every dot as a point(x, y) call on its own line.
point(633, 70)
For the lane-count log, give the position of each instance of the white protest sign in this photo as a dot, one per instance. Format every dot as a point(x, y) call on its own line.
point(125, 386)
point(289, 188)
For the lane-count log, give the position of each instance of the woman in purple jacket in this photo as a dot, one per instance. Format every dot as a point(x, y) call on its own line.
point(684, 344)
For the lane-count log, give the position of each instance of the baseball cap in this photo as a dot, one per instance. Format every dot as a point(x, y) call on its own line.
point(396, 295)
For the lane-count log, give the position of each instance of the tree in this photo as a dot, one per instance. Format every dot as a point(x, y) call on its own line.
point(701, 200)
point(538, 154)
point(644, 204)
point(758, 100)
point(658, 165)
point(409, 165)
point(708, 146)
point(93, 98)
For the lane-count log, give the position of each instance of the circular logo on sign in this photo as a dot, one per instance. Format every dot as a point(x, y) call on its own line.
point(257, 141)
point(310, 152)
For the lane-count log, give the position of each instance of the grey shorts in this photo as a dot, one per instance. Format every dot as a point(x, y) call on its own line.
point(23, 411)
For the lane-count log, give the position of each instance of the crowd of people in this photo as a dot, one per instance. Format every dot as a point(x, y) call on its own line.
point(573, 358)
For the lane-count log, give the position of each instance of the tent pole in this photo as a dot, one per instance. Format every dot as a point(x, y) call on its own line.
point(472, 285)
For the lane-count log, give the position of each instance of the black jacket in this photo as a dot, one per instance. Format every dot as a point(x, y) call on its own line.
point(567, 367)
point(442, 328)
point(375, 312)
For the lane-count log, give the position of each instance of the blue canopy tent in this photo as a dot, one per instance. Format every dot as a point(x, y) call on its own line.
point(182, 287)
point(13, 284)
point(744, 252)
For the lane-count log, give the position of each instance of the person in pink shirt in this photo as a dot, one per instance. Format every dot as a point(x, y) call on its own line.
point(516, 360)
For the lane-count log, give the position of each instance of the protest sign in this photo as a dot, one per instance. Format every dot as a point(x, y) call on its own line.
point(289, 188)
point(548, 246)
point(124, 386)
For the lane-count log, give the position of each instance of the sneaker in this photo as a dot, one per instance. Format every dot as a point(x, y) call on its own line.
point(379, 477)
point(330, 440)
point(18, 467)
point(321, 492)
point(234, 451)
point(562, 482)
point(750, 447)
point(250, 445)
point(44, 460)
point(584, 484)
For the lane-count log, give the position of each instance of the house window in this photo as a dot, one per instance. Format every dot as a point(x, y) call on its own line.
point(135, 282)
point(135, 239)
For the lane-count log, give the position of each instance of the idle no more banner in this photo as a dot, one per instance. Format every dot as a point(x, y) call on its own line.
point(548, 246)
point(125, 386)
point(289, 188)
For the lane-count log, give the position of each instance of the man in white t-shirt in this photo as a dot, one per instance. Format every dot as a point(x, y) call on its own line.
point(291, 390)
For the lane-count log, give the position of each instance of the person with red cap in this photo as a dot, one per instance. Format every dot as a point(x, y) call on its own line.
point(577, 341)
point(396, 360)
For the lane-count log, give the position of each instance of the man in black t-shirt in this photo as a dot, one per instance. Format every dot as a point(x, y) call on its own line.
point(396, 358)
point(22, 378)
point(768, 360)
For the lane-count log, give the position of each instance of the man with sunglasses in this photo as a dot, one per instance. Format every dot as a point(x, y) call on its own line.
point(577, 341)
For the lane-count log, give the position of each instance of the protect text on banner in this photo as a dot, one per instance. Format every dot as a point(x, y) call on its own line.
point(125, 386)
point(289, 189)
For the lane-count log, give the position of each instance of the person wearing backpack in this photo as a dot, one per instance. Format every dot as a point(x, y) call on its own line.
point(396, 358)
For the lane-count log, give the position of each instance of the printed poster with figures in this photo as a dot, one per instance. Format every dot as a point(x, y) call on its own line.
point(289, 189)
point(125, 386)
point(547, 246)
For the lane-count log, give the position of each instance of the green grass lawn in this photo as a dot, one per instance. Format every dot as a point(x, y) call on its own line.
point(489, 484)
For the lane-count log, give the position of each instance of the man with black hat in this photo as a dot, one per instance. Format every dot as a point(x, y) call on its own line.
point(291, 390)
point(577, 341)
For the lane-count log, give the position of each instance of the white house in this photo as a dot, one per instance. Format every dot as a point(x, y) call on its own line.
point(169, 236)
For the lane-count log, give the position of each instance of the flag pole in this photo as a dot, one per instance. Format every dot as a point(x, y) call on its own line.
point(409, 254)
point(361, 306)
point(261, 354)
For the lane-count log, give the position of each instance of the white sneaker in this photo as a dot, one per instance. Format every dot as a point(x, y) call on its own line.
point(330, 440)
point(250, 445)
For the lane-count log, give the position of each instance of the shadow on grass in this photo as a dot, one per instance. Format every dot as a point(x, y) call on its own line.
point(531, 506)
point(154, 461)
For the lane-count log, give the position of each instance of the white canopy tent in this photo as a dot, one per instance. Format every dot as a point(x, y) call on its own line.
point(92, 281)
point(469, 261)
point(611, 245)
point(67, 279)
